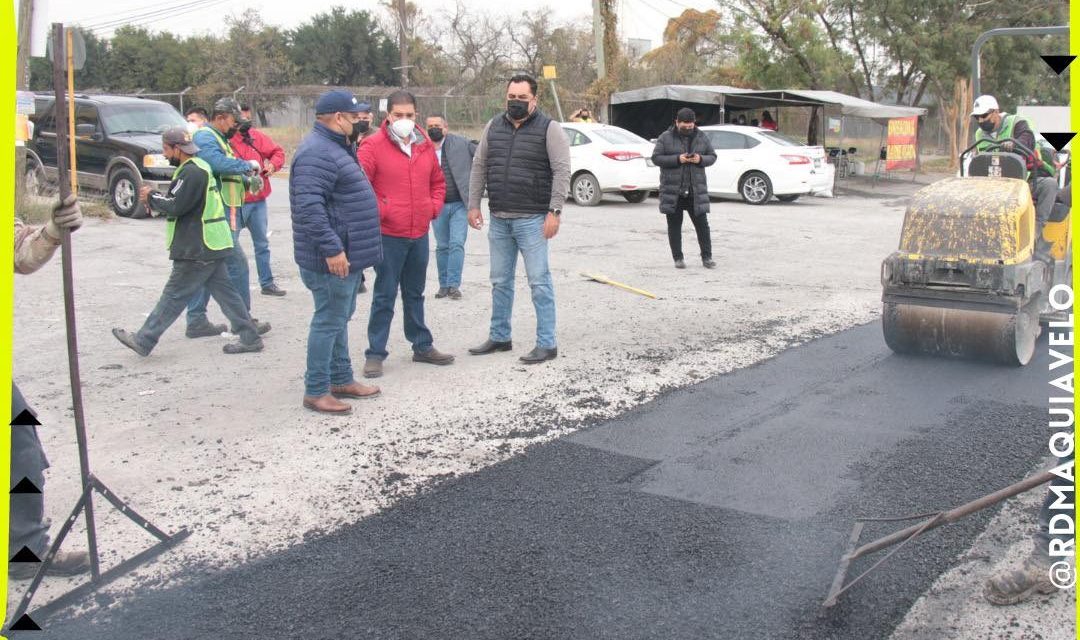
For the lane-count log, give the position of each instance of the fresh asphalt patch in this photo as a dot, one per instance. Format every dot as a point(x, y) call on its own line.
point(718, 511)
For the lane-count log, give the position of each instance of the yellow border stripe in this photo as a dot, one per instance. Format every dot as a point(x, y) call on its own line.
point(7, 256)
point(1075, 125)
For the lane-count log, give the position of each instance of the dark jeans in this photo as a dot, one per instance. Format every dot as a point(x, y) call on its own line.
point(27, 511)
point(257, 223)
point(328, 359)
point(404, 265)
point(187, 277)
point(239, 273)
point(1042, 535)
point(701, 226)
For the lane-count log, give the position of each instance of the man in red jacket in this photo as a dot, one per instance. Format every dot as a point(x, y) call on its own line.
point(248, 143)
point(403, 169)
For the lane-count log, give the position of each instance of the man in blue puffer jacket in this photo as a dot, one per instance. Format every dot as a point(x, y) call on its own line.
point(336, 235)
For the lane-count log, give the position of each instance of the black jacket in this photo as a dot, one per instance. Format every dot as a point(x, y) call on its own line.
point(184, 202)
point(669, 146)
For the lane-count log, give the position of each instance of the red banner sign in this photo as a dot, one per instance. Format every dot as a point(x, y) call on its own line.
point(900, 153)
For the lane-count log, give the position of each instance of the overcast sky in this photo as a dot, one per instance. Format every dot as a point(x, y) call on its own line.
point(637, 18)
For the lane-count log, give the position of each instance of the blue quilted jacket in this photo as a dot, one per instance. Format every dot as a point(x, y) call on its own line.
point(333, 205)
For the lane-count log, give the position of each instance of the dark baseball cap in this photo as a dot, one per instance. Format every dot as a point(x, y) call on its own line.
point(180, 137)
point(337, 101)
point(686, 114)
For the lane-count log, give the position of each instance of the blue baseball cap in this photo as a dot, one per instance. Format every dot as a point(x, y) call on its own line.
point(337, 101)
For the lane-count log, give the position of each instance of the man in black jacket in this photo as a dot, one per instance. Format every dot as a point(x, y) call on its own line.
point(199, 240)
point(682, 153)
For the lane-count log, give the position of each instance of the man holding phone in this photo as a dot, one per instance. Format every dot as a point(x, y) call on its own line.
point(682, 153)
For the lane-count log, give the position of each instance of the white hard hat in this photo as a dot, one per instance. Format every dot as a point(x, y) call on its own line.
point(984, 105)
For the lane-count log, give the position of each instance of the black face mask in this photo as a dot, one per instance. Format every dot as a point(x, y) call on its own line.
point(244, 126)
point(358, 128)
point(435, 133)
point(174, 161)
point(987, 125)
point(685, 131)
point(517, 109)
point(232, 131)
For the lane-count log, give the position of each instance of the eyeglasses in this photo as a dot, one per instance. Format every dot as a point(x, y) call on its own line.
point(983, 117)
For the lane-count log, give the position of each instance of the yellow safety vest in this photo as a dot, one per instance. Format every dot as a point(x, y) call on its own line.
point(215, 228)
point(232, 187)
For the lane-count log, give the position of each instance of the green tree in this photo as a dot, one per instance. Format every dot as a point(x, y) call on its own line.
point(343, 48)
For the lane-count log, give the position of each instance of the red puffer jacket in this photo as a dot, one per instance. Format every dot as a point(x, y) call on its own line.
point(261, 149)
point(410, 189)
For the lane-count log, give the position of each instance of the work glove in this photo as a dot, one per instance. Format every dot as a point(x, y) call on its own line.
point(1007, 146)
point(255, 166)
point(255, 185)
point(65, 215)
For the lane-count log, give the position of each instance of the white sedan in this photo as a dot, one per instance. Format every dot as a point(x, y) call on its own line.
point(758, 164)
point(607, 159)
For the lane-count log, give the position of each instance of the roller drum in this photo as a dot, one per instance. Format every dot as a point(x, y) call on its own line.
point(980, 335)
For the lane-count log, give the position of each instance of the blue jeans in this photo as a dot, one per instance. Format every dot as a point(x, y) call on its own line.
point(255, 221)
point(238, 272)
point(451, 231)
point(506, 237)
point(27, 510)
point(404, 265)
point(328, 337)
point(187, 278)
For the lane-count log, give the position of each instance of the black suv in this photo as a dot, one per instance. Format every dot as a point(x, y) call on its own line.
point(117, 147)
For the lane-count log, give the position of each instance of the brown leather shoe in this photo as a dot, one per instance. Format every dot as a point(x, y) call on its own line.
point(327, 404)
point(354, 390)
point(66, 563)
point(433, 356)
point(372, 368)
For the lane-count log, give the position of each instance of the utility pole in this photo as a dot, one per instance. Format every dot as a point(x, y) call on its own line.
point(598, 39)
point(403, 42)
point(22, 81)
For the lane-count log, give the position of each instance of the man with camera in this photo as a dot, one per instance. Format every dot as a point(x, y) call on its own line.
point(249, 143)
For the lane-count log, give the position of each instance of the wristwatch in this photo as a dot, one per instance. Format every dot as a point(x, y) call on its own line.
point(555, 212)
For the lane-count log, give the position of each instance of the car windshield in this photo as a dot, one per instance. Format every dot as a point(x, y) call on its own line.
point(147, 117)
point(780, 139)
point(615, 135)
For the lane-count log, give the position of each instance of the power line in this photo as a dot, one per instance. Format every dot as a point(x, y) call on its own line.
point(190, 7)
point(114, 15)
point(152, 15)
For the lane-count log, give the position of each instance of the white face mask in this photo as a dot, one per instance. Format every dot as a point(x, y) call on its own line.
point(403, 128)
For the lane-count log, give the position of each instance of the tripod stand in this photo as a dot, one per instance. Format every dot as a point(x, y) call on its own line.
point(85, 504)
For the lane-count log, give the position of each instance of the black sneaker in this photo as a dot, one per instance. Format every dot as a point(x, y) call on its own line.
point(679, 264)
point(443, 292)
point(273, 290)
point(129, 341)
point(708, 263)
point(455, 293)
point(260, 327)
point(205, 330)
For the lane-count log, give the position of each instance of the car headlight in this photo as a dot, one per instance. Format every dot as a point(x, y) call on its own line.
point(155, 161)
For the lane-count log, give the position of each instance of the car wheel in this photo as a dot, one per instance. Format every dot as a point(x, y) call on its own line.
point(755, 188)
point(792, 197)
point(124, 194)
point(36, 182)
point(635, 196)
point(586, 190)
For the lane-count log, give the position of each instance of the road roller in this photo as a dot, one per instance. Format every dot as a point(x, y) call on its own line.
point(966, 280)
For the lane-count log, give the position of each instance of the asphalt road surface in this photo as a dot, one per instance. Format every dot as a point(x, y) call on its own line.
point(718, 511)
